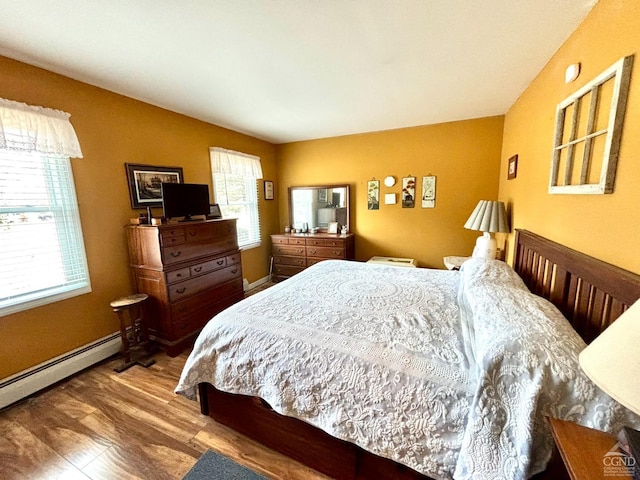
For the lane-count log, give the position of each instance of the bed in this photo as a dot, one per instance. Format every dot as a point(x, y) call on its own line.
point(370, 371)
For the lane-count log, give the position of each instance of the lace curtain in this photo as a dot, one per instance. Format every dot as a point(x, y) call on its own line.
point(27, 128)
point(234, 163)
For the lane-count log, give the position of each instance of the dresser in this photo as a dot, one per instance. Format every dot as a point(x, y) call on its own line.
point(191, 271)
point(294, 252)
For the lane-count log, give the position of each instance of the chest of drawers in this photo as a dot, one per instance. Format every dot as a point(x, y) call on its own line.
point(190, 271)
point(292, 253)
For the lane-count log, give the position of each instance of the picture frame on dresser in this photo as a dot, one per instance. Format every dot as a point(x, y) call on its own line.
point(332, 227)
point(145, 183)
point(214, 211)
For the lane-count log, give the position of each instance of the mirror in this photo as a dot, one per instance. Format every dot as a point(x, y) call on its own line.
point(319, 205)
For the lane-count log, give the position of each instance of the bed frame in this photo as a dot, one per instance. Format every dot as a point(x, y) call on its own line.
point(589, 292)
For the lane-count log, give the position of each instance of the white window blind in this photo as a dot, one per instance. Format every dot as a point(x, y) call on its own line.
point(235, 187)
point(42, 257)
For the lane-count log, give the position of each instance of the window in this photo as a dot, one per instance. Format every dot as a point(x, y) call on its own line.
point(588, 131)
point(42, 257)
point(235, 189)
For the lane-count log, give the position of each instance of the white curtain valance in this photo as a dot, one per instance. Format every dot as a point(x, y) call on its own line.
point(234, 163)
point(26, 128)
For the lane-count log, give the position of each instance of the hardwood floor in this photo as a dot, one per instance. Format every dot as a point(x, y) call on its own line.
point(103, 425)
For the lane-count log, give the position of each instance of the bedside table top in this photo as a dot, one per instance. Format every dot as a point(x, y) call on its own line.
point(454, 263)
point(394, 261)
point(587, 453)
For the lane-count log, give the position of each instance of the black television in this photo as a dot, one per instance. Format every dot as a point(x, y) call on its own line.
point(185, 200)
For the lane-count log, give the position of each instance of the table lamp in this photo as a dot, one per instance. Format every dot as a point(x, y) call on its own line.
point(612, 359)
point(488, 217)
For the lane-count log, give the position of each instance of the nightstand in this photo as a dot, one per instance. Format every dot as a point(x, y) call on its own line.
point(454, 263)
point(587, 454)
point(394, 261)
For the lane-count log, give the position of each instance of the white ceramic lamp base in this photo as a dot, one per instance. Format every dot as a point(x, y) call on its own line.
point(486, 246)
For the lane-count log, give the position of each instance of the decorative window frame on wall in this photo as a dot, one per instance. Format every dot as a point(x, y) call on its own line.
point(589, 133)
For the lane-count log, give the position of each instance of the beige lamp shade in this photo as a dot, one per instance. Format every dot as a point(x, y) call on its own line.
point(612, 360)
point(488, 216)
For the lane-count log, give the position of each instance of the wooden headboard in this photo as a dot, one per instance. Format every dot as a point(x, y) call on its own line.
point(589, 292)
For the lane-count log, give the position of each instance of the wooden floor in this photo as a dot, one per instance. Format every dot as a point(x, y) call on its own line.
point(103, 425)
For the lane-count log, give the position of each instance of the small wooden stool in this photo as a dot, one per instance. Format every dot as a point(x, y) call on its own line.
point(135, 341)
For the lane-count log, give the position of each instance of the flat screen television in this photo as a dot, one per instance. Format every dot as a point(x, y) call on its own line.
point(185, 200)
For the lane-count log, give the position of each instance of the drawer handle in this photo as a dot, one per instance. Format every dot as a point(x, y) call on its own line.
point(176, 254)
point(197, 269)
point(220, 262)
point(300, 261)
point(193, 234)
point(178, 275)
point(313, 251)
point(337, 252)
point(235, 270)
point(181, 290)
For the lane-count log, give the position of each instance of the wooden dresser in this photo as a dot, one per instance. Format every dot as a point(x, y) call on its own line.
point(294, 252)
point(191, 271)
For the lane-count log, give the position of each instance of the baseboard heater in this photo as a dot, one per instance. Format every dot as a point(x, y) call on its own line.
point(32, 380)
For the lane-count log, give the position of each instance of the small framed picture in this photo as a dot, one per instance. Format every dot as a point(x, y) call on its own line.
point(429, 191)
point(513, 167)
point(332, 227)
point(373, 194)
point(214, 211)
point(268, 190)
point(408, 192)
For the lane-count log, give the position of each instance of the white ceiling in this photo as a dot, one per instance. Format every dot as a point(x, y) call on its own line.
point(287, 70)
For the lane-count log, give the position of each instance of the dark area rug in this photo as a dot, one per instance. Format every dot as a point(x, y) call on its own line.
point(213, 466)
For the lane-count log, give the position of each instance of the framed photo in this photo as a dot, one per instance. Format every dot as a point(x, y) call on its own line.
point(214, 211)
point(322, 195)
point(373, 194)
point(145, 183)
point(513, 167)
point(268, 190)
point(332, 227)
point(408, 192)
point(429, 191)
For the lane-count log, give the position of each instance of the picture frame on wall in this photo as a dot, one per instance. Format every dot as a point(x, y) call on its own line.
point(429, 191)
point(408, 192)
point(145, 183)
point(373, 194)
point(512, 170)
point(268, 190)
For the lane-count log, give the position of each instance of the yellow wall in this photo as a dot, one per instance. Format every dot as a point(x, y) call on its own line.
point(469, 159)
point(464, 156)
point(113, 130)
point(604, 226)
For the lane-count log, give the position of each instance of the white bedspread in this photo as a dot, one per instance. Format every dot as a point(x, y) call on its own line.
point(448, 373)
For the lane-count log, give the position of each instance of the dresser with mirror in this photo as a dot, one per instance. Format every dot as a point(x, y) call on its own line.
point(317, 210)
